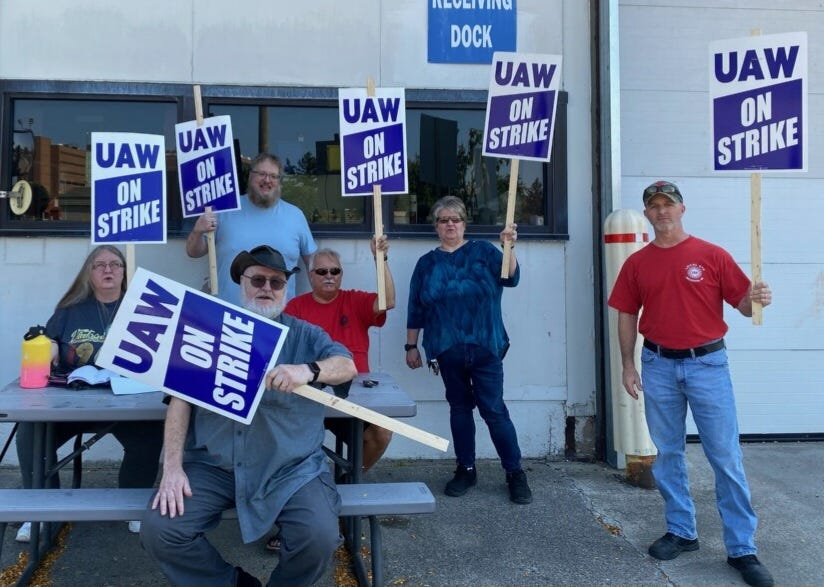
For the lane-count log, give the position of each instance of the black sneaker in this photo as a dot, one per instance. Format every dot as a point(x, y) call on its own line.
point(670, 546)
point(244, 579)
point(465, 477)
point(752, 571)
point(519, 491)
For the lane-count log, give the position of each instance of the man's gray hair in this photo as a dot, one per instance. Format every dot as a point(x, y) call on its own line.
point(325, 253)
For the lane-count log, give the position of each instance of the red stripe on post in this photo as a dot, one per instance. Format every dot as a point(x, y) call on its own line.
point(627, 237)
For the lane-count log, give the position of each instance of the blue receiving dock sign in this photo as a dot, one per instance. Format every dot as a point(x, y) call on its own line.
point(758, 103)
point(470, 31)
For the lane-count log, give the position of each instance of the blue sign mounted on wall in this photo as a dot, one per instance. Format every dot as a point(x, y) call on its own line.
point(470, 31)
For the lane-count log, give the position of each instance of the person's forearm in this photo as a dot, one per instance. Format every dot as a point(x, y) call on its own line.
point(196, 244)
point(627, 335)
point(513, 262)
point(174, 433)
point(389, 287)
point(337, 369)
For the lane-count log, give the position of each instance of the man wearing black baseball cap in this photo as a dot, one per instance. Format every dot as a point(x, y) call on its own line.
point(273, 471)
point(682, 282)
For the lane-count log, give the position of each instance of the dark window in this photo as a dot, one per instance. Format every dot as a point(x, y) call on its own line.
point(49, 143)
point(46, 134)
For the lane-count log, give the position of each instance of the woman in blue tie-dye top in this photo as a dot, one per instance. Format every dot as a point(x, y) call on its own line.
point(455, 298)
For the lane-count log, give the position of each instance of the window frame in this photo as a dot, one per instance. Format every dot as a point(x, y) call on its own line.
point(554, 173)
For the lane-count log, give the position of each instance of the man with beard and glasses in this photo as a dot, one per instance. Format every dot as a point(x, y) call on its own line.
point(263, 217)
point(273, 471)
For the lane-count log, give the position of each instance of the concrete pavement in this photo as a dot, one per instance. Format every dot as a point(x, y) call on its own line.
point(586, 526)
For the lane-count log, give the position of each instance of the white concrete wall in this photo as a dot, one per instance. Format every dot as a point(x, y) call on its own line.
point(664, 44)
point(550, 372)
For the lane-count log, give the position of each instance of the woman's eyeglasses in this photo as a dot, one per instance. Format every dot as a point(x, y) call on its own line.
point(448, 219)
point(322, 271)
point(113, 265)
point(259, 281)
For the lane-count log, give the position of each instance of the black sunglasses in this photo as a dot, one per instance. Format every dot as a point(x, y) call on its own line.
point(259, 281)
point(323, 271)
point(661, 187)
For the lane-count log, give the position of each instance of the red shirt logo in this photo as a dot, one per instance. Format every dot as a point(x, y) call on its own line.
point(694, 272)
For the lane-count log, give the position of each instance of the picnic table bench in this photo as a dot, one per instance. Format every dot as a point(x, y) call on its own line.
point(368, 500)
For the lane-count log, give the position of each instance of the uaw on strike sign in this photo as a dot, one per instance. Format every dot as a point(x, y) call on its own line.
point(520, 111)
point(193, 346)
point(373, 141)
point(758, 103)
point(208, 173)
point(128, 188)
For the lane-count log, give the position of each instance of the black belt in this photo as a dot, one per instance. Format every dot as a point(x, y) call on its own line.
point(699, 351)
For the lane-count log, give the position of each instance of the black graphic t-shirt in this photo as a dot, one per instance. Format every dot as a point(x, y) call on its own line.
point(80, 331)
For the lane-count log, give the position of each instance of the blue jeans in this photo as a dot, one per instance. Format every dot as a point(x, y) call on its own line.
point(704, 383)
point(473, 376)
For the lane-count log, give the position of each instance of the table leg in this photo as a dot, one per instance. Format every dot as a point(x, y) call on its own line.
point(39, 442)
point(353, 525)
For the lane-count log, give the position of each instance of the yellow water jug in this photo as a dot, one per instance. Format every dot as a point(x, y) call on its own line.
point(35, 362)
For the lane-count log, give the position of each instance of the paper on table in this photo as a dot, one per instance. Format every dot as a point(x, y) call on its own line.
point(124, 386)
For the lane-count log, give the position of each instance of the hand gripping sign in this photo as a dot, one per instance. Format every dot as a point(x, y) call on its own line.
point(209, 353)
point(373, 151)
point(520, 117)
point(758, 114)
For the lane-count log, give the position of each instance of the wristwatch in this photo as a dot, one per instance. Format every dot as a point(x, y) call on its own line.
point(315, 369)
point(409, 347)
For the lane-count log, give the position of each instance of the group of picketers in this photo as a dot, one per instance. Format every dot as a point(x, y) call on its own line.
point(274, 471)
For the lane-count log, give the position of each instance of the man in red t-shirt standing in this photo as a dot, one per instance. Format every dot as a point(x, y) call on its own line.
point(346, 315)
point(682, 282)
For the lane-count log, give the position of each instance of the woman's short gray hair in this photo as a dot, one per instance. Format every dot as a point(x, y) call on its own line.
point(448, 203)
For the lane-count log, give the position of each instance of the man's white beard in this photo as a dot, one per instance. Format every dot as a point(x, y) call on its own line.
point(271, 311)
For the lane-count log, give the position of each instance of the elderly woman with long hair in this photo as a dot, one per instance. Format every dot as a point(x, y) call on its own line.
point(455, 297)
point(77, 329)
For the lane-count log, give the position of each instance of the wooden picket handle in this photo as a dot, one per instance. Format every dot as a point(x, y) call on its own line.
point(353, 409)
point(510, 215)
point(755, 240)
point(377, 213)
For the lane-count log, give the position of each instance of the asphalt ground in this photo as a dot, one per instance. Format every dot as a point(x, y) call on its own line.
point(586, 526)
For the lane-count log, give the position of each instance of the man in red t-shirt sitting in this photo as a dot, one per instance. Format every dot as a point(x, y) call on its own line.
point(346, 315)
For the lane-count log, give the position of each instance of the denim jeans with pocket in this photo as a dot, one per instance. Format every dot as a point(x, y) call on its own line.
point(473, 376)
point(704, 384)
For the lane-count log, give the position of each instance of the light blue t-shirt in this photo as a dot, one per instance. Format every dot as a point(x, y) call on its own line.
point(282, 227)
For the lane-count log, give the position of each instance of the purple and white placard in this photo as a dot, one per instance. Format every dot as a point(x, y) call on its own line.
point(192, 345)
point(521, 107)
point(758, 103)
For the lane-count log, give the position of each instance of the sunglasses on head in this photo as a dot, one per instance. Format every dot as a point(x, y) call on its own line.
point(322, 271)
point(259, 281)
point(661, 187)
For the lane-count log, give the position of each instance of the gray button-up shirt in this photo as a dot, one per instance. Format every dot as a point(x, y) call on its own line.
point(280, 451)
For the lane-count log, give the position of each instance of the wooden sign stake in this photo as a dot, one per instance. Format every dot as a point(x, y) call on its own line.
point(377, 212)
point(353, 409)
point(130, 262)
point(755, 229)
point(755, 239)
point(510, 215)
point(210, 236)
